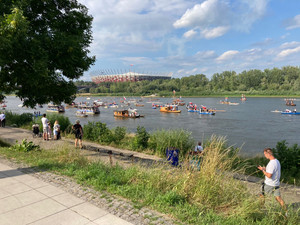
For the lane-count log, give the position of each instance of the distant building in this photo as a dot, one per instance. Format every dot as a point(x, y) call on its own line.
point(106, 76)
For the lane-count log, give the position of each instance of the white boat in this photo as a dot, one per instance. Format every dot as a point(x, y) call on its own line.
point(80, 113)
point(88, 109)
point(55, 108)
point(99, 103)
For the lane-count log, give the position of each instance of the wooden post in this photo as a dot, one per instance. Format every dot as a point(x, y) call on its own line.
point(110, 157)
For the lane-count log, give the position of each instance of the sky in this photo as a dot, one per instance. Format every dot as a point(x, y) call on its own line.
point(188, 37)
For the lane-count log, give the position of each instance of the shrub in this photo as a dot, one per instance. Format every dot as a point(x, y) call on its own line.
point(141, 138)
point(119, 134)
point(289, 158)
point(17, 119)
point(97, 131)
point(161, 139)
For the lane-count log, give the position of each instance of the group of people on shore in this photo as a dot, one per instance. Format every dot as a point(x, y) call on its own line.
point(47, 131)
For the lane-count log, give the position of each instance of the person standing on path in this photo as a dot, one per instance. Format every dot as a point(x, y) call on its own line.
point(45, 127)
point(56, 130)
point(77, 128)
point(2, 119)
point(272, 177)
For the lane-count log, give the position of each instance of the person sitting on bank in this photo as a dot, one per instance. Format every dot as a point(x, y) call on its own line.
point(198, 149)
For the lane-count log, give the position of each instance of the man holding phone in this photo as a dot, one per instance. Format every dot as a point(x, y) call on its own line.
point(272, 176)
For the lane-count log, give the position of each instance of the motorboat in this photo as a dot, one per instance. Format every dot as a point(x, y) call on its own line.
point(88, 109)
point(55, 108)
point(170, 109)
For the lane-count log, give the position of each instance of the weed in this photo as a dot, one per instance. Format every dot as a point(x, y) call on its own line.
point(25, 146)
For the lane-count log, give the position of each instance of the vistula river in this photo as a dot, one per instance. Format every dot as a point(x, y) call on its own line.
point(250, 125)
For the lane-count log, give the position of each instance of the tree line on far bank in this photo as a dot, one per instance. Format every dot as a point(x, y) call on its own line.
point(284, 81)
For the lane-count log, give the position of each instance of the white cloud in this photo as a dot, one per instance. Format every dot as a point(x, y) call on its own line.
point(227, 55)
point(122, 26)
point(207, 13)
point(214, 32)
point(189, 33)
point(287, 52)
point(136, 60)
point(214, 18)
point(292, 44)
point(249, 11)
point(293, 23)
point(205, 54)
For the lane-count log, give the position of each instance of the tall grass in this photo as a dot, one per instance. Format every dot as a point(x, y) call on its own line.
point(179, 138)
point(213, 186)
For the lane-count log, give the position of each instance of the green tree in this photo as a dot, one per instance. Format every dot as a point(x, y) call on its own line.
point(43, 47)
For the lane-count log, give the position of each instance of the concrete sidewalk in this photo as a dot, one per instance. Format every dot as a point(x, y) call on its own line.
point(25, 199)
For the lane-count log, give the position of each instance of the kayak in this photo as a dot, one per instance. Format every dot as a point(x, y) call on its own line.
point(291, 113)
point(207, 113)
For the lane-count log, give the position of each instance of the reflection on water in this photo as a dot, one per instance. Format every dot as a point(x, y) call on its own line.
point(251, 124)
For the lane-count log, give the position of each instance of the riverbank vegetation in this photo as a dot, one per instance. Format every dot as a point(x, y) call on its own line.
point(271, 82)
point(208, 196)
point(156, 143)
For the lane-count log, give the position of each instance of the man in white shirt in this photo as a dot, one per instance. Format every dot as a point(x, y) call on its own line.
point(45, 127)
point(272, 176)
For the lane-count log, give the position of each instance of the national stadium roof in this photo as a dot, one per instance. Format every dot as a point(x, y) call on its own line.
point(123, 76)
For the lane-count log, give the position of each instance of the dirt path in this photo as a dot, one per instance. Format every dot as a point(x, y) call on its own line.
point(290, 193)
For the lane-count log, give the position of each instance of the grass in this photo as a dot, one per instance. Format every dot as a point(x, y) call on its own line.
point(208, 196)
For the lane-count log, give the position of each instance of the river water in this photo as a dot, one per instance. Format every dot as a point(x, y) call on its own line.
point(250, 125)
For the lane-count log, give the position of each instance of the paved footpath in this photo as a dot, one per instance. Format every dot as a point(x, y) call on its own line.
point(25, 199)
point(30, 196)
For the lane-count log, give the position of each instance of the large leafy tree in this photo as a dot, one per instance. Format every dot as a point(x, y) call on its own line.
point(43, 48)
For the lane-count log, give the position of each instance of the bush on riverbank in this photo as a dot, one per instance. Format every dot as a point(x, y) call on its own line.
point(289, 158)
point(27, 120)
point(18, 120)
point(140, 141)
point(208, 196)
point(160, 140)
